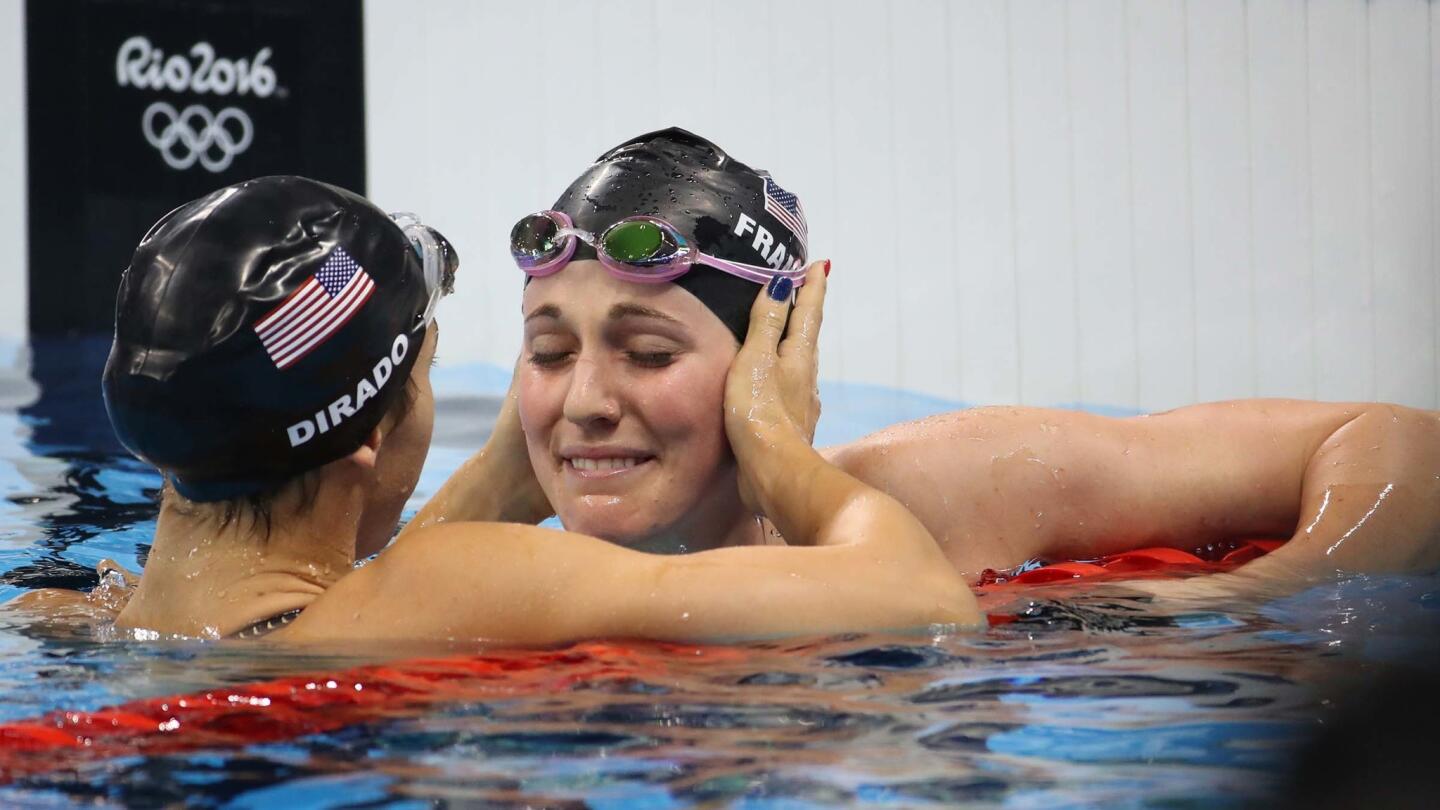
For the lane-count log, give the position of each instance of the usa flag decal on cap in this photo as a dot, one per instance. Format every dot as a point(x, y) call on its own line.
point(311, 314)
point(785, 207)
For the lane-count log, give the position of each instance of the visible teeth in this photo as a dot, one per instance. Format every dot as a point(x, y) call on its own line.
point(597, 464)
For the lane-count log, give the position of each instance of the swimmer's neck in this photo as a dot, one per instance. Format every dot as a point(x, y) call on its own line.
point(207, 577)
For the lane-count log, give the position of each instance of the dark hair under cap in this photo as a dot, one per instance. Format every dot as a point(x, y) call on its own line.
point(190, 386)
point(713, 199)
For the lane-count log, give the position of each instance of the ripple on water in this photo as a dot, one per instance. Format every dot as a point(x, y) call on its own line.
point(1087, 698)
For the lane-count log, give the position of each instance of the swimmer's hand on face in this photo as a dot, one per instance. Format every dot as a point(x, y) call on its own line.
point(771, 392)
point(798, 353)
point(770, 412)
point(496, 484)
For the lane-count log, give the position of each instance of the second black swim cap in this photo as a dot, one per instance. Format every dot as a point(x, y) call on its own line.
point(730, 210)
point(262, 331)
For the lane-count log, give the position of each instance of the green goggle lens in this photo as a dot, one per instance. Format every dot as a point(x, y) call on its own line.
point(636, 242)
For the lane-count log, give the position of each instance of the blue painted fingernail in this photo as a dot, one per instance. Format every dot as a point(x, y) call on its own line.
point(779, 288)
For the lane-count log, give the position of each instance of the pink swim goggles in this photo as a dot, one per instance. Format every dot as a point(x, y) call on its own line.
point(639, 248)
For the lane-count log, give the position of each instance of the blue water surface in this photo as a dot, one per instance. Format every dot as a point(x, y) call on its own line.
point(1098, 697)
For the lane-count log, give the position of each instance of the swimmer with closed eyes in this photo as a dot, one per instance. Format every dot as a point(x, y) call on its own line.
point(638, 284)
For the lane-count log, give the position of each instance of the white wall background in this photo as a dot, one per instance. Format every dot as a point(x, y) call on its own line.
point(1126, 202)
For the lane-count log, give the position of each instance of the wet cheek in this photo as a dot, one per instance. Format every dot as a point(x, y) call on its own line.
point(539, 405)
point(686, 408)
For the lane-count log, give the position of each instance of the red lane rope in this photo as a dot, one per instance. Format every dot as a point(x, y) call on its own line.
point(1136, 564)
point(1131, 564)
point(287, 708)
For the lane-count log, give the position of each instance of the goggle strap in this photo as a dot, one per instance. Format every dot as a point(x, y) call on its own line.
point(749, 272)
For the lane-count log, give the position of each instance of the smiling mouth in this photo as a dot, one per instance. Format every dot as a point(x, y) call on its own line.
point(604, 466)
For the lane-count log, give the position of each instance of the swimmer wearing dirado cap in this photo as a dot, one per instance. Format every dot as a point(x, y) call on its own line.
point(639, 278)
point(272, 350)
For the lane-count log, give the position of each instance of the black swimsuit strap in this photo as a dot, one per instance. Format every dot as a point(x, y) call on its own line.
point(267, 626)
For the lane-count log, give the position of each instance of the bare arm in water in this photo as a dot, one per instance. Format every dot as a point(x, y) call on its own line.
point(1353, 487)
point(877, 566)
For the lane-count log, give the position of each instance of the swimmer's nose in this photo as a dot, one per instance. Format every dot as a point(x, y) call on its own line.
point(592, 398)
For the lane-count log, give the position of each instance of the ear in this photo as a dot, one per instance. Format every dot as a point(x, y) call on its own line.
point(364, 455)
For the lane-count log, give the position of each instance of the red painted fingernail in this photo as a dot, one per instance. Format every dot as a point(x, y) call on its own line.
point(827, 268)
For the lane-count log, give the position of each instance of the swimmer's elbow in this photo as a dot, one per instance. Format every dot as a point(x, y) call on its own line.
point(951, 602)
point(936, 596)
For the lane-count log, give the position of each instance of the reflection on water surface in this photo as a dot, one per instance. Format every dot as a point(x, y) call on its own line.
point(1093, 696)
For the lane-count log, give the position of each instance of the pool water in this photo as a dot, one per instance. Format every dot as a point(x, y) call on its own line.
point(1094, 695)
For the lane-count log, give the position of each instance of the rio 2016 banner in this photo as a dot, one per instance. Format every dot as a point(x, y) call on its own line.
point(136, 106)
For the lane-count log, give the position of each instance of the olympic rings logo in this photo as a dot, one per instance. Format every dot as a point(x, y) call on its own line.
point(195, 134)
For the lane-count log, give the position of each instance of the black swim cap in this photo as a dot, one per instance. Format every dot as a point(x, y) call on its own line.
point(728, 209)
point(262, 331)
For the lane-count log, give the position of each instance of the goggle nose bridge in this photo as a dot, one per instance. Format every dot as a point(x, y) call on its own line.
point(579, 233)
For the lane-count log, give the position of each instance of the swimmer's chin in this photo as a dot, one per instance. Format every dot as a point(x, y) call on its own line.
point(611, 518)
